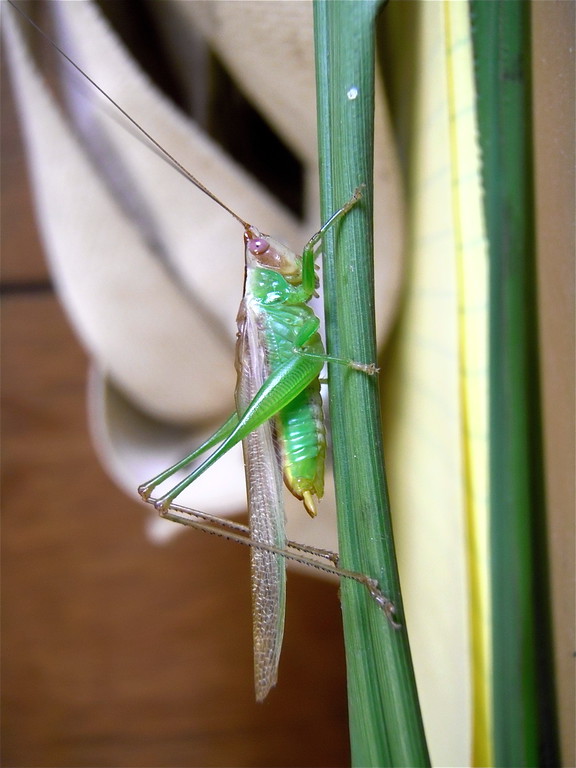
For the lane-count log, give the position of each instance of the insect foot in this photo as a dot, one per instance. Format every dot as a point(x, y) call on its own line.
point(144, 491)
point(359, 191)
point(384, 602)
point(162, 505)
point(356, 197)
point(370, 368)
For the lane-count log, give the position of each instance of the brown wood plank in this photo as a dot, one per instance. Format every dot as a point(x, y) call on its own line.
point(119, 652)
point(22, 256)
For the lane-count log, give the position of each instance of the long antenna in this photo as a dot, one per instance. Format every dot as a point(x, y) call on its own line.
point(177, 165)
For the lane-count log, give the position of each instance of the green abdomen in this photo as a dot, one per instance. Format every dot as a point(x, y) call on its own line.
point(302, 437)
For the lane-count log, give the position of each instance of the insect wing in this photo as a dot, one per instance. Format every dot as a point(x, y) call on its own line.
point(266, 507)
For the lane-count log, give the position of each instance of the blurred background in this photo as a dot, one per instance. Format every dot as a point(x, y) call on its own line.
point(120, 651)
point(117, 651)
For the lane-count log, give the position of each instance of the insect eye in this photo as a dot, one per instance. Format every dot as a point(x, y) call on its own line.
point(258, 246)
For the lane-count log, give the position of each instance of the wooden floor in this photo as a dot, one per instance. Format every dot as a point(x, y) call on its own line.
point(116, 652)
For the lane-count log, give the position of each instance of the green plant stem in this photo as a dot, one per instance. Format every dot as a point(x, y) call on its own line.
point(385, 721)
point(524, 722)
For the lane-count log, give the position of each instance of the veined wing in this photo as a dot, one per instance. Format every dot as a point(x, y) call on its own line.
point(265, 504)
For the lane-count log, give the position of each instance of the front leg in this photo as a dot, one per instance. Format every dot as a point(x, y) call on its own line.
point(308, 254)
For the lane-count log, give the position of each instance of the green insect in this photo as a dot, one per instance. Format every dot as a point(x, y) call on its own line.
point(278, 418)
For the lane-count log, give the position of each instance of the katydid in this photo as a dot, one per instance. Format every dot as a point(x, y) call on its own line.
point(279, 357)
point(278, 418)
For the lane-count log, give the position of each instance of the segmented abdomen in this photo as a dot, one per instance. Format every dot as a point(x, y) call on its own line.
point(302, 438)
point(299, 425)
